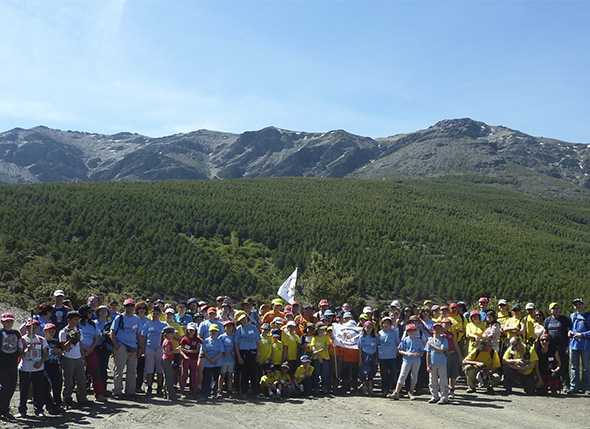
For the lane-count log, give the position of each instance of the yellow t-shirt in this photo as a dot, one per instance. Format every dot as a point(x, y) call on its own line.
point(513, 354)
point(473, 330)
point(282, 377)
point(529, 327)
point(490, 359)
point(511, 323)
point(503, 316)
point(277, 352)
point(291, 341)
point(267, 380)
point(264, 349)
point(301, 372)
point(457, 327)
point(320, 347)
point(179, 332)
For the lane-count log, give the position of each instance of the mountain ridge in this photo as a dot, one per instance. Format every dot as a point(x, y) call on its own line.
point(450, 147)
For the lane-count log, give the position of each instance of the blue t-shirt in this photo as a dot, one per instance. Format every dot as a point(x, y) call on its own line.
point(204, 327)
point(88, 333)
point(101, 328)
point(247, 337)
point(388, 343)
point(413, 345)
point(126, 329)
point(212, 348)
point(53, 357)
point(152, 332)
point(368, 344)
point(185, 319)
point(437, 357)
point(228, 348)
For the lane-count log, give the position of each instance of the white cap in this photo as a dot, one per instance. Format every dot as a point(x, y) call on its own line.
point(291, 323)
point(396, 303)
point(502, 301)
point(529, 306)
point(192, 325)
point(169, 311)
point(367, 310)
point(59, 292)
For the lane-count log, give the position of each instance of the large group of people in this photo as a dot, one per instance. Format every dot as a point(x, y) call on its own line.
point(210, 351)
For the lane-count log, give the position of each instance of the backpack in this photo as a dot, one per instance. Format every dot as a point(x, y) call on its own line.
point(5, 333)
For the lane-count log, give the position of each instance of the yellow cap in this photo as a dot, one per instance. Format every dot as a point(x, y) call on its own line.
point(213, 328)
point(553, 305)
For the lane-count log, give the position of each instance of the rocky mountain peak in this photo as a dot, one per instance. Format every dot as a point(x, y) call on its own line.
point(462, 127)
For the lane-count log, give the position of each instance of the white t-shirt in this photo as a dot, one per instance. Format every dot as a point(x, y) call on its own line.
point(33, 353)
point(74, 352)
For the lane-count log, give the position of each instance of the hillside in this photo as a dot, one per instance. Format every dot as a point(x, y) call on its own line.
point(409, 239)
point(458, 147)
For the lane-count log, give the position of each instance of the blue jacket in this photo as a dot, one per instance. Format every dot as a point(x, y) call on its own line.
point(580, 325)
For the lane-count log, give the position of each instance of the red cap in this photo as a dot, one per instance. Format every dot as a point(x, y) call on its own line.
point(212, 310)
point(474, 313)
point(128, 301)
point(483, 300)
point(48, 326)
point(31, 322)
point(324, 302)
point(410, 327)
point(6, 316)
point(453, 305)
point(228, 322)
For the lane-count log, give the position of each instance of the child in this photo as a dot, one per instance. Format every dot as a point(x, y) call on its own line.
point(72, 361)
point(292, 342)
point(53, 363)
point(264, 348)
point(229, 357)
point(411, 348)
point(368, 356)
point(320, 347)
point(436, 364)
point(278, 354)
point(267, 381)
point(304, 375)
point(168, 356)
point(284, 382)
point(190, 345)
point(31, 370)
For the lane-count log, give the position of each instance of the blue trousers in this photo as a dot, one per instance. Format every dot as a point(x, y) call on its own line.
point(580, 370)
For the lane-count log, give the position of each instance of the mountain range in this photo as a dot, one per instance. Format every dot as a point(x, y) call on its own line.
point(453, 147)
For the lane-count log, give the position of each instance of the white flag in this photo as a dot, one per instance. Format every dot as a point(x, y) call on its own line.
point(287, 289)
point(346, 336)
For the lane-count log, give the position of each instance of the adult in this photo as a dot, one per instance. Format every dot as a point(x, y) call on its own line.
point(152, 338)
point(474, 330)
point(11, 349)
point(388, 342)
point(549, 365)
point(212, 319)
point(125, 336)
point(72, 361)
point(529, 324)
point(277, 311)
point(141, 309)
point(43, 316)
point(513, 326)
point(88, 341)
point(503, 312)
point(246, 344)
point(558, 326)
point(579, 335)
point(104, 346)
point(520, 361)
point(323, 306)
point(480, 365)
point(60, 310)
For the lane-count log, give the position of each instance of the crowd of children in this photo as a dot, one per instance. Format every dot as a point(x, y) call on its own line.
point(281, 350)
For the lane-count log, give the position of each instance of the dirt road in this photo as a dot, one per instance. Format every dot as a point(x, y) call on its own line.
point(336, 412)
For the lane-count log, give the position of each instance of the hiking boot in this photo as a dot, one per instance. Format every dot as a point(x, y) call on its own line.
point(394, 396)
point(39, 412)
point(442, 401)
point(433, 400)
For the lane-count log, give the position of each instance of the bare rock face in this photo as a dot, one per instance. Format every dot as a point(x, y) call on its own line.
point(449, 147)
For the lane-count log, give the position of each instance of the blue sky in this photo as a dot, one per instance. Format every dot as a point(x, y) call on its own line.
point(372, 67)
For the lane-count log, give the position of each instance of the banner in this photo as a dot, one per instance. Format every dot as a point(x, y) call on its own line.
point(346, 336)
point(287, 289)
